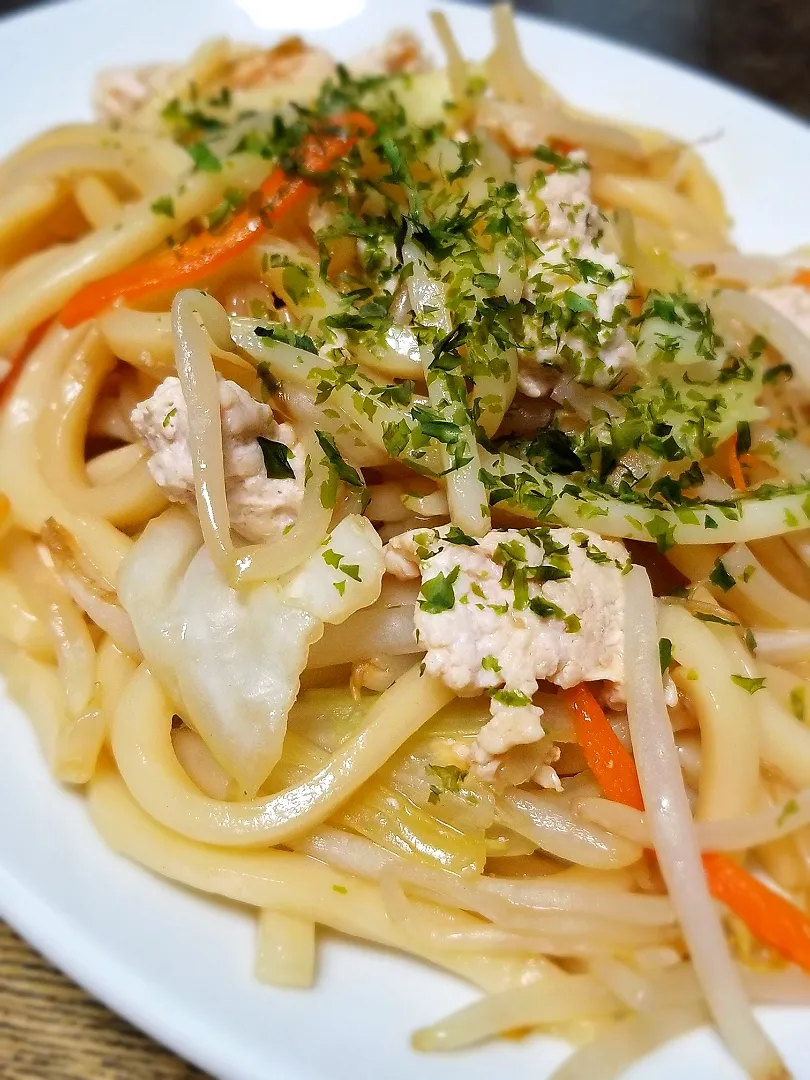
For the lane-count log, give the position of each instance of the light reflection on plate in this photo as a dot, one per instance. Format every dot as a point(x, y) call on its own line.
point(301, 15)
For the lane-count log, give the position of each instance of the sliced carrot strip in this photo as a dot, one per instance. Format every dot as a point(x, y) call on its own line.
point(769, 917)
point(206, 252)
point(172, 269)
point(198, 257)
point(607, 759)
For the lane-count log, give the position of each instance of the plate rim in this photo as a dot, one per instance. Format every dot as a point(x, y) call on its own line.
point(38, 919)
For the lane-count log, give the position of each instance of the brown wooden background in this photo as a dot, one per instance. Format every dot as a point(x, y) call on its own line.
point(51, 1030)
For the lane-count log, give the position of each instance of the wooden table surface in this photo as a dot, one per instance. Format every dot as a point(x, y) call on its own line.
point(52, 1030)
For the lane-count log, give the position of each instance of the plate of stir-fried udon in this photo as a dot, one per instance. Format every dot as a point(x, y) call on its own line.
point(405, 508)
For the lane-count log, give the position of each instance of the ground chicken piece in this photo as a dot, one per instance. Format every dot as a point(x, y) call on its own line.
point(292, 60)
point(519, 125)
point(120, 92)
point(509, 727)
point(792, 301)
point(400, 54)
point(519, 606)
point(537, 380)
point(261, 508)
point(562, 208)
point(614, 353)
point(567, 224)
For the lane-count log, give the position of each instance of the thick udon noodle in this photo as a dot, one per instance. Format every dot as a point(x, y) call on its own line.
point(546, 900)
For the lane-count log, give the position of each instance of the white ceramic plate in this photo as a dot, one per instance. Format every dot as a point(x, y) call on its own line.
point(177, 964)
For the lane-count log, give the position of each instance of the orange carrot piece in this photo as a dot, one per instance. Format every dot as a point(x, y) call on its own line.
point(607, 759)
point(802, 278)
point(770, 918)
point(196, 258)
point(563, 146)
point(206, 252)
point(172, 269)
point(734, 466)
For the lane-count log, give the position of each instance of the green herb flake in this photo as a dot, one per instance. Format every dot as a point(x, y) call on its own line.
point(705, 616)
point(168, 416)
point(798, 703)
point(776, 372)
point(790, 807)
point(664, 653)
point(544, 609)
point(514, 699)
point(749, 685)
point(276, 459)
point(222, 100)
point(231, 200)
point(490, 663)
point(662, 532)
point(341, 469)
point(288, 336)
point(458, 536)
point(267, 378)
point(205, 160)
point(560, 161)
point(449, 777)
point(576, 303)
point(721, 577)
point(164, 205)
point(297, 283)
point(743, 438)
point(334, 559)
point(486, 281)
point(437, 593)
point(340, 889)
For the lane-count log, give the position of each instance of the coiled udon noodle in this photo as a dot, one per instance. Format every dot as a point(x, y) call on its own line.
point(312, 236)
